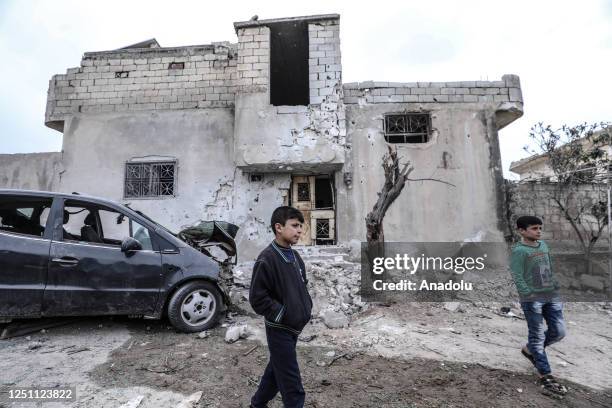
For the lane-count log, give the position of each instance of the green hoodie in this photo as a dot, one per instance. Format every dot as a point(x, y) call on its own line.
point(532, 271)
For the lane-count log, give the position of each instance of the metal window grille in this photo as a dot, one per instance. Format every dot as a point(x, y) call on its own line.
point(407, 128)
point(303, 191)
point(322, 228)
point(150, 179)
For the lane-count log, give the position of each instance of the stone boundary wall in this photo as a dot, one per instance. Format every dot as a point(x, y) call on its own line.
point(533, 198)
point(506, 90)
point(140, 79)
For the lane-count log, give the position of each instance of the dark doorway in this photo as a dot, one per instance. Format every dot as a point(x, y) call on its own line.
point(324, 194)
point(289, 63)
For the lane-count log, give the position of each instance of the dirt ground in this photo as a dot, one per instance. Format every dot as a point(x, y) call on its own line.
point(417, 355)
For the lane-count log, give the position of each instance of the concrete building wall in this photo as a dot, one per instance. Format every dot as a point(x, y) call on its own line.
point(97, 147)
point(289, 138)
point(463, 150)
point(538, 170)
point(31, 171)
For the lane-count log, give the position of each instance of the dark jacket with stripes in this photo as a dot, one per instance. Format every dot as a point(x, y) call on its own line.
point(278, 290)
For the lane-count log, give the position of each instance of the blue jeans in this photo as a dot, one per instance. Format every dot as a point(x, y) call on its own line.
point(282, 373)
point(538, 339)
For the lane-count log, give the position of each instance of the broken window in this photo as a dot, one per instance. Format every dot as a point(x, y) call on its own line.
point(94, 224)
point(407, 128)
point(150, 179)
point(289, 83)
point(24, 215)
point(255, 178)
point(122, 74)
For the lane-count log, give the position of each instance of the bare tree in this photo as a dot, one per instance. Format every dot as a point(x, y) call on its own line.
point(395, 179)
point(576, 156)
point(396, 176)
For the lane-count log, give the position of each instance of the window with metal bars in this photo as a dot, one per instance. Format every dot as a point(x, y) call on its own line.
point(150, 179)
point(407, 127)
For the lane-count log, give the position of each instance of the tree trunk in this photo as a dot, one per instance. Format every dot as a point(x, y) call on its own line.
point(395, 180)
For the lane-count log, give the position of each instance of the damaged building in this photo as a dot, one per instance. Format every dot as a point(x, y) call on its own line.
point(228, 131)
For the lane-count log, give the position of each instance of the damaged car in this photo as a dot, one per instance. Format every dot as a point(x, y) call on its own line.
point(77, 255)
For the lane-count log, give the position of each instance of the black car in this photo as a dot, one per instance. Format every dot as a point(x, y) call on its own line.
point(77, 255)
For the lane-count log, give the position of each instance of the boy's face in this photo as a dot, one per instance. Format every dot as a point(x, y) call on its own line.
point(290, 232)
point(531, 233)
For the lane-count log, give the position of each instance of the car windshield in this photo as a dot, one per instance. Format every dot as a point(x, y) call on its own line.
point(150, 219)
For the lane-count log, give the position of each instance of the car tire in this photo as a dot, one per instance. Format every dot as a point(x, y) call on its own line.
point(195, 306)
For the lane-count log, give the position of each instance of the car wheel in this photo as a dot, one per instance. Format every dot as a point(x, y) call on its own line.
point(195, 306)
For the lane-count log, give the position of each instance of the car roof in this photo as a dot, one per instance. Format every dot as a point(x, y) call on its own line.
point(38, 193)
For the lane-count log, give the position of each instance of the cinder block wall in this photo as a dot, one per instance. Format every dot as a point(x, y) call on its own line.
point(506, 90)
point(536, 199)
point(325, 68)
point(141, 79)
point(253, 59)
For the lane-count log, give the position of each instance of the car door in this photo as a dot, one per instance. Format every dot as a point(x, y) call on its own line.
point(24, 253)
point(88, 272)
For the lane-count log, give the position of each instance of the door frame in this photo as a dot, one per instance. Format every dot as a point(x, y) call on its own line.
point(331, 178)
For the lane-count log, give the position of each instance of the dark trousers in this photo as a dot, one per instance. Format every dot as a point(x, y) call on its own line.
point(282, 372)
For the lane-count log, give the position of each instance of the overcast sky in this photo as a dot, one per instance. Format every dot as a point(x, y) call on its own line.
point(561, 50)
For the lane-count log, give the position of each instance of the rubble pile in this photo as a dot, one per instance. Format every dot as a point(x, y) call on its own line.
point(334, 283)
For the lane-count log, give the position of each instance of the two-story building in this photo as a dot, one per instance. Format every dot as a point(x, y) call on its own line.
point(231, 130)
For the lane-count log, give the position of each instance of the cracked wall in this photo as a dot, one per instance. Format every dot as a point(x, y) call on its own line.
point(110, 118)
point(459, 152)
point(291, 138)
point(96, 148)
point(254, 202)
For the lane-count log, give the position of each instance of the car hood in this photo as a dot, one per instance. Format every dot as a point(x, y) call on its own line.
point(210, 234)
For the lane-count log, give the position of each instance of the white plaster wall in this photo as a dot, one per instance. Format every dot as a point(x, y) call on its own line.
point(426, 210)
point(96, 148)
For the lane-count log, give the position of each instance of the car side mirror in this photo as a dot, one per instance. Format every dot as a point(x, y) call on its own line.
point(130, 244)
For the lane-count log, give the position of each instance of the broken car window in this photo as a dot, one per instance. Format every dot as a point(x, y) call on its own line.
point(22, 215)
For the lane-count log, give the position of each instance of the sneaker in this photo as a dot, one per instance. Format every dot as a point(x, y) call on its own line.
point(550, 384)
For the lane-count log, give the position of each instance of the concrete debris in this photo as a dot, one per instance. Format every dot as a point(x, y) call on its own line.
point(307, 338)
point(133, 403)
point(454, 307)
point(596, 283)
point(234, 333)
point(203, 334)
point(334, 320)
point(334, 282)
point(354, 250)
point(191, 401)
point(35, 346)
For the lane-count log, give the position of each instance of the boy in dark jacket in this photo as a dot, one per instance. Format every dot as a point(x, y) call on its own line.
point(279, 293)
